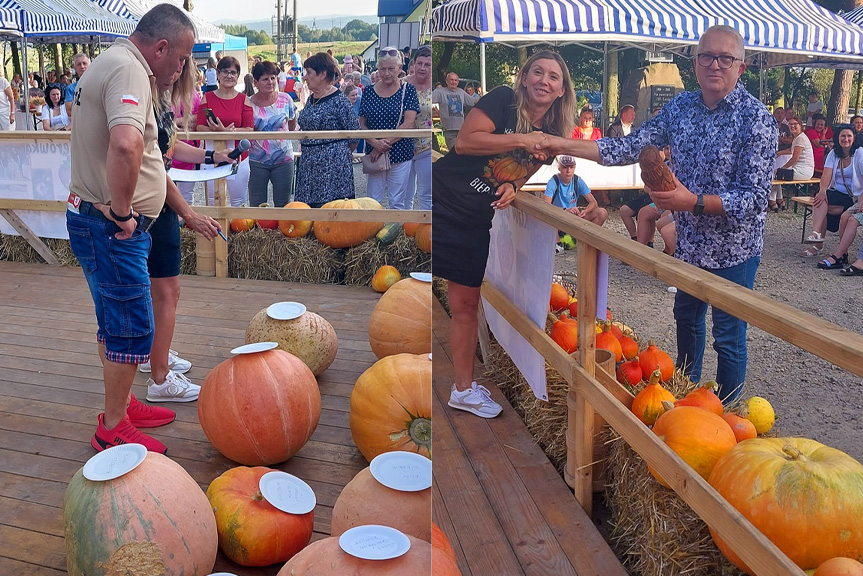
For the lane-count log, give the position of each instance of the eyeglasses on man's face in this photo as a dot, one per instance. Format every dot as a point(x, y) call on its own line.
point(725, 61)
point(230, 72)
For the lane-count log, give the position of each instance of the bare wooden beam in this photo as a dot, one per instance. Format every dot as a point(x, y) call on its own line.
point(32, 239)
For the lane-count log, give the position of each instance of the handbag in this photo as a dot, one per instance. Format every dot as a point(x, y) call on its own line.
point(382, 164)
point(786, 174)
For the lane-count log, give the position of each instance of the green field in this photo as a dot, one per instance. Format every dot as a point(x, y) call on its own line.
point(268, 51)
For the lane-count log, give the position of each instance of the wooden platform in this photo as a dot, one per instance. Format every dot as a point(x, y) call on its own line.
point(503, 505)
point(51, 392)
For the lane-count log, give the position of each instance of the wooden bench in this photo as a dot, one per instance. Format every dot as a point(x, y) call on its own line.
point(807, 202)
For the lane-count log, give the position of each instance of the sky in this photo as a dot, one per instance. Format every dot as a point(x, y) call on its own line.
point(248, 10)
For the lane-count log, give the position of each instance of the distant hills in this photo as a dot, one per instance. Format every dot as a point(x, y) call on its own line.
point(316, 22)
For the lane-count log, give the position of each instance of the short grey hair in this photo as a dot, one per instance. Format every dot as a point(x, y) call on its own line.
point(163, 21)
point(731, 33)
point(80, 56)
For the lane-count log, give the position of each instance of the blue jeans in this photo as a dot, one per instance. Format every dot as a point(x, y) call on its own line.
point(729, 334)
point(116, 272)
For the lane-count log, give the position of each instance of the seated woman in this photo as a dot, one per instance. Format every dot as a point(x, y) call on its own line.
point(799, 162)
point(856, 267)
point(848, 223)
point(841, 182)
point(821, 137)
point(54, 115)
point(585, 130)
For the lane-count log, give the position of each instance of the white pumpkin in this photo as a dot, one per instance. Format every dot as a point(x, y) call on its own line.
point(310, 338)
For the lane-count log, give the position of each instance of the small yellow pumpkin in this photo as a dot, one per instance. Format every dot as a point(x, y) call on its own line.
point(384, 278)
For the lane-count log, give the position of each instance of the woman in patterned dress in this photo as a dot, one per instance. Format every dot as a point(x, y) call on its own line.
point(325, 172)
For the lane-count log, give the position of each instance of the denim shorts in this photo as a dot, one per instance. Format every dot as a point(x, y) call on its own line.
point(116, 272)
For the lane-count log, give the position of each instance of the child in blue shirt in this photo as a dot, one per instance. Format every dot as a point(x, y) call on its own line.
point(566, 188)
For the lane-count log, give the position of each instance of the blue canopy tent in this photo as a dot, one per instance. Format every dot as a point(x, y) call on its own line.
point(774, 32)
point(855, 16)
point(60, 20)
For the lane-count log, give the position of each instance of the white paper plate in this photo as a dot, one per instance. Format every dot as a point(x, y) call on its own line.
point(430, 356)
point(114, 462)
point(421, 276)
point(222, 574)
point(286, 310)
point(287, 492)
point(254, 347)
point(672, 290)
point(403, 471)
point(374, 542)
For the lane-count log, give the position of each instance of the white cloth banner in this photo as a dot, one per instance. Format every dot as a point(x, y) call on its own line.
point(520, 265)
point(205, 175)
point(36, 170)
point(595, 175)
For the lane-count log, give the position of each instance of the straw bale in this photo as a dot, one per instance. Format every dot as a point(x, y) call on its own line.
point(361, 262)
point(188, 256)
point(439, 289)
point(16, 249)
point(269, 255)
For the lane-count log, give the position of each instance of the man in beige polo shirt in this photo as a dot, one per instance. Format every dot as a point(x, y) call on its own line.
point(118, 189)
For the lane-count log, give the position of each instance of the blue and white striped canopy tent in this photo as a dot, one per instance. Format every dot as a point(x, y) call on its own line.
point(59, 20)
point(785, 32)
point(10, 22)
point(855, 16)
point(134, 9)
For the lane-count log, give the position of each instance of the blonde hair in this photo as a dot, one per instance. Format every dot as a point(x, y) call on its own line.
point(180, 94)
point(559, 120)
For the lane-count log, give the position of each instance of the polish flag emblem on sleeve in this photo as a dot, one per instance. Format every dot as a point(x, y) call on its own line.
point(129, 99)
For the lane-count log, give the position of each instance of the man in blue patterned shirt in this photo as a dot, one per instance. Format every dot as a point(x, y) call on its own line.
point(723, 141)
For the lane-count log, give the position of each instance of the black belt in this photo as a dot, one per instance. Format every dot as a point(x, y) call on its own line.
point(144, 222)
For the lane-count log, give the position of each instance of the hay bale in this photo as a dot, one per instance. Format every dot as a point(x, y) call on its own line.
point(269, 255)
point(16, 249)
point(188, 255)
point(439, 289)
point(361, 262)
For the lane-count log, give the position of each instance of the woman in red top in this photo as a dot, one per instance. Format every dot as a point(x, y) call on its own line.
point(821, 137)
point(233, 111)
point(586, 131)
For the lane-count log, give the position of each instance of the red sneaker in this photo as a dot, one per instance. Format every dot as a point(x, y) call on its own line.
point(123, 433)
point(145, 416)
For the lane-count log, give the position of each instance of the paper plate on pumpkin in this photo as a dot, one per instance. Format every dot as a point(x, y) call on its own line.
point(114, 462)
point(421, 276)
point(254, 347)
point(403, 471)
point(374, 542)
point(287, 492)
point(286, 310)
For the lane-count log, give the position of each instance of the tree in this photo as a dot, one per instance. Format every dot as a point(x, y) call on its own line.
point(840, 91)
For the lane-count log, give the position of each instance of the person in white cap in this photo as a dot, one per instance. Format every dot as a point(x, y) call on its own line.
point(564, 190)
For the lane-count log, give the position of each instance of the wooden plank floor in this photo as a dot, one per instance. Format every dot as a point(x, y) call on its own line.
point(498, 498)
point(51, 392)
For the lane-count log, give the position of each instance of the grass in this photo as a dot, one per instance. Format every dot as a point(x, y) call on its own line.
point(268, 51)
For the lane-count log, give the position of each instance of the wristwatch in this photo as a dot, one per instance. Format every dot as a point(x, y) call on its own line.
point(208, 157)
point(120, 218)
point(698, 209)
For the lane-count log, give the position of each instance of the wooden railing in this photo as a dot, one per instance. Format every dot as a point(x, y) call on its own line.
point(221, 211)
point(595, 392)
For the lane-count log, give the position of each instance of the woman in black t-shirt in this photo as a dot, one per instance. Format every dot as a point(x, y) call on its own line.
point(490, 161)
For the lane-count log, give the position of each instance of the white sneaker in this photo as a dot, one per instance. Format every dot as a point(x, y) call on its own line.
point(476, 400)
point(558, 248)
point(175, 364)
point(175, 388)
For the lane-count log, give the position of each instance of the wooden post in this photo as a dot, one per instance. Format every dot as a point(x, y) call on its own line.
point(34, 241)
point(220, 188)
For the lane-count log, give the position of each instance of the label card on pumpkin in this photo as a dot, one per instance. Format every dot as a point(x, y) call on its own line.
point(114, 462)
point(421, 276)
point(287, 492)
point(286, 310)
point(374, 542)
point(255, 347)
point(403, 471)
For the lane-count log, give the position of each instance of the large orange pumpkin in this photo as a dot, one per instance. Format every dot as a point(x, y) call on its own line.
point(391, 406)
point(700, 437)
point(401, 320)
point(326, 558)
point(259, 409)
point(424, 238)
point(364, 500)
point(152, 520)
point(443, 556)
point(252, 532)
point(347, 234)
point(295, 228)
point(805, 497)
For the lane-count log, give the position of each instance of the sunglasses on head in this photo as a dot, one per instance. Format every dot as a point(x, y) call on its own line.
point(424, 51)
point(389, 52)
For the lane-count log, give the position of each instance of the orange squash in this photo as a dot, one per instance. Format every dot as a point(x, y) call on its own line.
point(440, 541)
point(628, 346)
point(700, 437)
point(326, 558)
point(259, 409)
point(424, 238)
point(401, 320)
point(573, 308)
point(565, 333)
point(443, 556)
point(364, 500)
point(703, 397)
point(559, 297)
point(152, 520)
point(743, 429)
point(384, 278)
point(648, 404)
point(410, 228)
point(295, 228)
point(347, 234)
point(840, 567)
point(607, 341)
point(252, 532)
point(629, 372)
point(391, 406)
point(805, 497)
point(242, 224)
point(652, 358)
